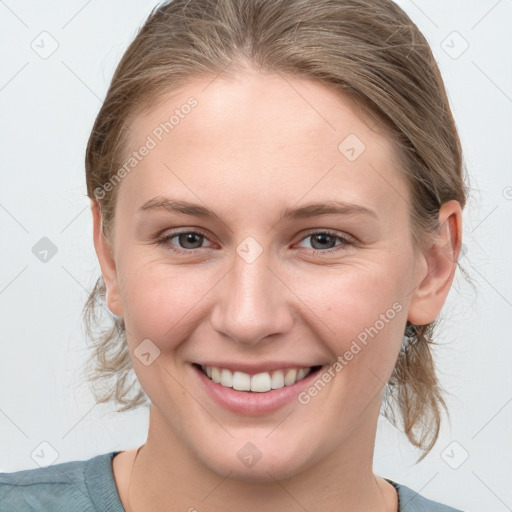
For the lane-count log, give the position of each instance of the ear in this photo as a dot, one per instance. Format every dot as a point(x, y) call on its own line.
point(438, 266)
point(106, 260)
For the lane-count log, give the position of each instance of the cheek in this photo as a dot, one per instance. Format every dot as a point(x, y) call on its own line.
point(364, 308)
point(162, 301)
point(360, 292)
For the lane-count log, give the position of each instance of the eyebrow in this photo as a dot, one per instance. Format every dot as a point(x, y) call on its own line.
point(309, 210)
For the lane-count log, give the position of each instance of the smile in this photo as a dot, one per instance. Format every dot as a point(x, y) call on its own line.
point(253, 392)
point(259, 382)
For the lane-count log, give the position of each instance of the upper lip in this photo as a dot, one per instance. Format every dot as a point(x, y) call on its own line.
point(254, 368)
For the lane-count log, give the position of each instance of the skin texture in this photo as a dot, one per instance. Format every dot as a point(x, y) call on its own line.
point(253, 146)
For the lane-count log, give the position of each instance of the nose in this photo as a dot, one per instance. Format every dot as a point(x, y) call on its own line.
point(253, 304)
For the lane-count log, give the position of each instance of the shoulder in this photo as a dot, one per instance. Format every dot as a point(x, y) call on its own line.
point(84, 485)
point(412, 501)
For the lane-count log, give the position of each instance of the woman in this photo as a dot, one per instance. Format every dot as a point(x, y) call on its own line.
point(276, 190)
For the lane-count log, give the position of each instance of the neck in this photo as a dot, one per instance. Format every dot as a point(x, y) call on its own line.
point(167, 476)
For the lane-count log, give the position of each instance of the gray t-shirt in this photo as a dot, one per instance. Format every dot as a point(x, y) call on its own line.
point(89, 486)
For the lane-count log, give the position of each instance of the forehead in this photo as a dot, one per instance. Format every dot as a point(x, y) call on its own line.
point(260, 136)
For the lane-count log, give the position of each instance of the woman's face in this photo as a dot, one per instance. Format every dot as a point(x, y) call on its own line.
point(261, 167)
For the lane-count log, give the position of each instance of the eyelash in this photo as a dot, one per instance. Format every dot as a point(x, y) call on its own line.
point(164, 241)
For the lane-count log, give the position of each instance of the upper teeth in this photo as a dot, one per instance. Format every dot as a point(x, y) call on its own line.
point(260, 382)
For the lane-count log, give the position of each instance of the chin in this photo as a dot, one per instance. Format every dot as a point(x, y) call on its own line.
point(259, 462)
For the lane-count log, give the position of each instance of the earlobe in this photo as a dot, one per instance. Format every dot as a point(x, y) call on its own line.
point(439, 266)
point(107, 262)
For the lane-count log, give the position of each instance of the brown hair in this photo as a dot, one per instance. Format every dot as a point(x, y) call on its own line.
point(368, 50)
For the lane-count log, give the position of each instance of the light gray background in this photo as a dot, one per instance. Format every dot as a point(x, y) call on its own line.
point(48, 106)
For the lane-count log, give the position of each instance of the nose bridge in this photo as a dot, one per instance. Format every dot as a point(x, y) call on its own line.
point(253, 302)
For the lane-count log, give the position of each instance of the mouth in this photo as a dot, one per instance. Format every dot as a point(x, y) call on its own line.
point(262, 382)
point(253, 394)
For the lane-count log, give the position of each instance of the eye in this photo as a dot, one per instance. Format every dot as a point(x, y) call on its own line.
point(324, 241)
point(188, 240)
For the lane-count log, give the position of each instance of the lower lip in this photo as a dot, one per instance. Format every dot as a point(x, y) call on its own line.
point(251, 403)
